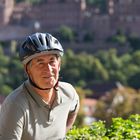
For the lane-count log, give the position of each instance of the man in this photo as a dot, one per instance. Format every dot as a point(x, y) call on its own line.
point(42, 108)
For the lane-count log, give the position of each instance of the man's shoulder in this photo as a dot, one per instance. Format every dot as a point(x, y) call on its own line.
point(67, 89)
point(17, 96)
point(65, 84)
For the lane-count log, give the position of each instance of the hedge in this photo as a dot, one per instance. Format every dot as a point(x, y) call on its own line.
point(120, 129)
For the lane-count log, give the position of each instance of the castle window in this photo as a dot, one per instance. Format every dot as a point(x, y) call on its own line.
point(62, 1)
point(130, 19)
point(121, 1)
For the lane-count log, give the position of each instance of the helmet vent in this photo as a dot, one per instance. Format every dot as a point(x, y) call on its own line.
point(41, 41)
point(47, 42)
point(56, 41)
point(34, 42)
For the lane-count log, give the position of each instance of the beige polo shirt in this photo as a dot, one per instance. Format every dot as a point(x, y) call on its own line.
point(25, 116)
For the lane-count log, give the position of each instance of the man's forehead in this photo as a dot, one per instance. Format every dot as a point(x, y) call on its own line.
point(45, 56)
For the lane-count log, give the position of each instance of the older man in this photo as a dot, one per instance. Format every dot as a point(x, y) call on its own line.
point(42, 108)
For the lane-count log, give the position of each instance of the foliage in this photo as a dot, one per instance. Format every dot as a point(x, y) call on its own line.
point(119, 102)
point(88, 37)
point(133, 80)
point(134, 42)
point(11, 72)
point(66, 34)
point(4, 61)
point(81, 69)
point(29, 1)
point(16, 72)
point(120, 129)
point(123, 38)
point(119, 38)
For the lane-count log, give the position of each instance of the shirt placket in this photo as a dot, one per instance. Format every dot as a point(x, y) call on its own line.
point(50, 115)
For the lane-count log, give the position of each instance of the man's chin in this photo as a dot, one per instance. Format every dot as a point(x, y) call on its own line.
point(49, 86)
point(49, 83)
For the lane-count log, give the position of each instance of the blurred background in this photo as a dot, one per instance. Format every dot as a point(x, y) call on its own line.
point(101, 39)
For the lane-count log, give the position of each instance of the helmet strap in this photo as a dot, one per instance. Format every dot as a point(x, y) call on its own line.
point(35, 85)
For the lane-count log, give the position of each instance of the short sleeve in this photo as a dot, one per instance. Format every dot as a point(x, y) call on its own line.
point(75, 102)
point(11, 121)
point(70, 92)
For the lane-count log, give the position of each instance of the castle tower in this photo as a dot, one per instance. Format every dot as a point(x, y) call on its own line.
point(6, 9)
point(110, 7)
point(56, 13)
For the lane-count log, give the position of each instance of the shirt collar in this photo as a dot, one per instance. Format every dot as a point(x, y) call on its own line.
point(37, 98)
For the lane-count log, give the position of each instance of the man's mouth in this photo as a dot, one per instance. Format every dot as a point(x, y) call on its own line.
point(50, 76)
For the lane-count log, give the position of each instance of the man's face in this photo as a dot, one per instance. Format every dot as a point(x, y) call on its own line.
point(44, 70)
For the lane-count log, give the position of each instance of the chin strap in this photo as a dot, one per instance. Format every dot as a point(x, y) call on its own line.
point(35, 85)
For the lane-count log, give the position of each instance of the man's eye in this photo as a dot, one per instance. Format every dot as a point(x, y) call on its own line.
point(39, 63)
point(52, 62)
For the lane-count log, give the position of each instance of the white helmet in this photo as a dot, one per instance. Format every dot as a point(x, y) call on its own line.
point(38, 44)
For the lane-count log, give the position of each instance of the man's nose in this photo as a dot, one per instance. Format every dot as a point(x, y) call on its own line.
point(48, 67)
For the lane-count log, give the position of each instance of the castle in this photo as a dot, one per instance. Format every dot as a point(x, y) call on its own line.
point(17, 20)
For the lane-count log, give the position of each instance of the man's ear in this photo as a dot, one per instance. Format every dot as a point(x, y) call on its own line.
point(26, 69)
point(59, 68)
point(59, 64)
point(25, 72)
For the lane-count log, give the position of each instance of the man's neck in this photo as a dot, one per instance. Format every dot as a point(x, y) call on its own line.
point(47, 95)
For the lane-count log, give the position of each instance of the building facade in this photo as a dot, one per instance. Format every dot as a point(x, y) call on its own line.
point(50, 15)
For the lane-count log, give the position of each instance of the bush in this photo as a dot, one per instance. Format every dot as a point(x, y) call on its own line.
point(66, 34)
point(120, 129)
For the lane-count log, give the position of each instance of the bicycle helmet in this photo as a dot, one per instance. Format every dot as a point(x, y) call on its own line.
point(39, 44)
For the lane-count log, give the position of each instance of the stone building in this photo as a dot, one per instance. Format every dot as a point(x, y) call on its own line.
point(125, 15)
point(51, 14)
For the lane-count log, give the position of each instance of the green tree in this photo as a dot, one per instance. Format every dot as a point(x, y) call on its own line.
point(89, 37)
point(29, 1)
point(119, 38)
point(66, 34)
point(133, 80)
point(4, 61)
point(113, 64)
point(99, 73)
point(83, 68)
point(136, 58)
point(134, 42)
point(16, 73)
